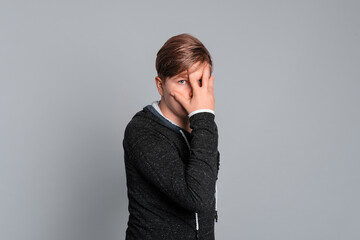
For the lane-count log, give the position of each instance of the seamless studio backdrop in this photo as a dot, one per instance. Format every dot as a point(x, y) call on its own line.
point(287, 89)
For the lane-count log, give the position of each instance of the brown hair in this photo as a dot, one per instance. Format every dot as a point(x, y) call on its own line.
point(179, 53)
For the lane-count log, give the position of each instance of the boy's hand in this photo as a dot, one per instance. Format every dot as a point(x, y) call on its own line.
point(202, 96)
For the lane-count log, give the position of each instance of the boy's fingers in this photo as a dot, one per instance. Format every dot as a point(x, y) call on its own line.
point(205, 75)
point(194, 84)
point(211, 82)
point(178, 97)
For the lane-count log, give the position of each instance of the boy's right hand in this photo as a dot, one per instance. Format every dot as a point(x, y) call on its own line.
point(202, 96)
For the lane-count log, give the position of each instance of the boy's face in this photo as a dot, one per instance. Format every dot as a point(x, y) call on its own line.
point(181, 84)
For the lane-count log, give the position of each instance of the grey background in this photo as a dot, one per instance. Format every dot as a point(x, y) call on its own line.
point(287, 83)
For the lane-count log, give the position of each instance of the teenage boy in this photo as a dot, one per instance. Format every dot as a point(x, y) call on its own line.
point(171, 149)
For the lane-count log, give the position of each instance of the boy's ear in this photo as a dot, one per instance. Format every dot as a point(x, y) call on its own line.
point(159, 85)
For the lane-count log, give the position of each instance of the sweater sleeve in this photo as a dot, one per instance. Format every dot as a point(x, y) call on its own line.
point(191, 185)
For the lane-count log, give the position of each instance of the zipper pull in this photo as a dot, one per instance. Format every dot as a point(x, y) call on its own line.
point(216, 216)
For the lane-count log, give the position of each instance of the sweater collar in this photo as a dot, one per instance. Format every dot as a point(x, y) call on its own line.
point(155, 110)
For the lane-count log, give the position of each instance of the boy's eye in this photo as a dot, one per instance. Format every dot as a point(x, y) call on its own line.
point(182, 81)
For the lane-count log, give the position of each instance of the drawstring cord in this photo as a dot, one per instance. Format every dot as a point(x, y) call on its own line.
point(197, 225)
point(196, 214)
point(216, 194)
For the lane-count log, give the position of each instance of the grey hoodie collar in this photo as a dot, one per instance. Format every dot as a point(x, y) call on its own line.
point(154, 109)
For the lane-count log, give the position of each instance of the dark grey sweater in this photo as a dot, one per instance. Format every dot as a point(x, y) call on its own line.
point(171, 176)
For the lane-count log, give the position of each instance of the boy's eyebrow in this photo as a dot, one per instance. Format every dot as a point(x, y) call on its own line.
point(181, 75)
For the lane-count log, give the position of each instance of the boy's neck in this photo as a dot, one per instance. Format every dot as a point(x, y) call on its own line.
point(181, 122)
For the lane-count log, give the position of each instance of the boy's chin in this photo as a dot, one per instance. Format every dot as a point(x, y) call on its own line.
point(183, 113)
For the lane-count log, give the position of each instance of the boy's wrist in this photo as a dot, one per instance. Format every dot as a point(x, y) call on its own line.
point(201, 110)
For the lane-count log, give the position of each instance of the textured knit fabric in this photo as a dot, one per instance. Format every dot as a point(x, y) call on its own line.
point(171, 187)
